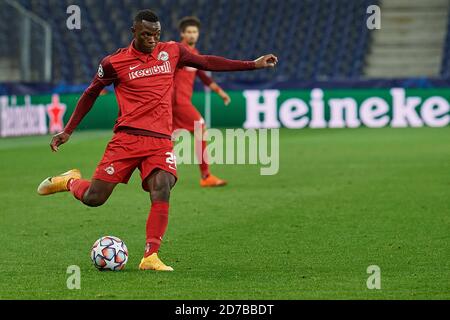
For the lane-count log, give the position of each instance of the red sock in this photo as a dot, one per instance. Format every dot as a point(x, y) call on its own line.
point(203, 158)
point(78, 187)
point(156, 226)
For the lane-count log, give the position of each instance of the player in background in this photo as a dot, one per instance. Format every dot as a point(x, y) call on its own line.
point(184, 112)
point(142, 75)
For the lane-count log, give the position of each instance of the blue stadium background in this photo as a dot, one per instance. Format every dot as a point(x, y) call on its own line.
point(318, 42)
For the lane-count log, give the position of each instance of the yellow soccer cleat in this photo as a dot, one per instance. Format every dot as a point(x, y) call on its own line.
point(56, 184)
point(212, 181)
point(152, 262)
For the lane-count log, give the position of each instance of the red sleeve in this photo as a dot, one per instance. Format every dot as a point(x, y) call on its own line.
point(207, 80)
point(106, 75)
point(212, 63)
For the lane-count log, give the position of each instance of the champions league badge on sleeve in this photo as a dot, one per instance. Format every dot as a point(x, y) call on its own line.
point(100, 71)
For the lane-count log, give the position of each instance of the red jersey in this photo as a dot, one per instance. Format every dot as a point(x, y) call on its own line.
point(143, 86)
point(185, 78)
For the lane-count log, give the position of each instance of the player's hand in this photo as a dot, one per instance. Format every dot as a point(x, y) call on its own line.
point(225, 97)
point(267, 61)
point(58, 140)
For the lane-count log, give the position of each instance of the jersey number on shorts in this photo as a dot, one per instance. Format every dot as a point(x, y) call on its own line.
point(171, 160)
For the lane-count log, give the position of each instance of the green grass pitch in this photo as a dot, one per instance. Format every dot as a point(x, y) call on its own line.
point(342, 201)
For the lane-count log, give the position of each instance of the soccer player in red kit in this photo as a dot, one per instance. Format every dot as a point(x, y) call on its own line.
point(142, 75)
point(184, 112)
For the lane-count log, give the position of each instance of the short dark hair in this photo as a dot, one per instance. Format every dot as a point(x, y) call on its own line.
point(189, 22)
point(147, 15)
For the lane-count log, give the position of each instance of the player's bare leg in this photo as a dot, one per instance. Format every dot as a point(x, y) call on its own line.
point(159, 184)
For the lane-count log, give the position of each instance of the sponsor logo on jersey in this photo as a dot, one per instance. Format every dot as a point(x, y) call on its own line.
point(155, 70)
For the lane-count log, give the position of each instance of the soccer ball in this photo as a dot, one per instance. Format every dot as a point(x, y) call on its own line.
point(109, 253)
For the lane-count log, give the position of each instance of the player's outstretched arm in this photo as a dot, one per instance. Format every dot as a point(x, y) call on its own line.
point(105, 76)
point(216, 63)
point(266, 61)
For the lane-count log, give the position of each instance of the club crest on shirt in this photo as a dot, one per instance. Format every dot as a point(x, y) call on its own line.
point(163, 56)
point(100, 71)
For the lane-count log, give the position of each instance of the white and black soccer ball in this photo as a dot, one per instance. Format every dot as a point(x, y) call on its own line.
point(109, 254)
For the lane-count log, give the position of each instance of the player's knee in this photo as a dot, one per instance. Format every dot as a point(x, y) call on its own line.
point(161, 191)
point(161, 186)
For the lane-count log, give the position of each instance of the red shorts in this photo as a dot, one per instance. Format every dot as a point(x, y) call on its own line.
point(126, 152)
point(184, 117)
